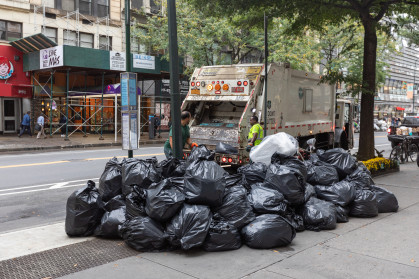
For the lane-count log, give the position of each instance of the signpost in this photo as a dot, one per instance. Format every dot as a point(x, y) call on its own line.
point(129, 111)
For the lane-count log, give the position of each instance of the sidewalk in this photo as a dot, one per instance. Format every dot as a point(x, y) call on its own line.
point(12, 143)
point(381, 247)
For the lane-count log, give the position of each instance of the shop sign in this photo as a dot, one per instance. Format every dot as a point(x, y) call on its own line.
point(117, 61)
point(51, 57)
point(144, 61)
point(6, 68)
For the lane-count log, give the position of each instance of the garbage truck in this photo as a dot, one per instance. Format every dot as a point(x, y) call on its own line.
point(221, 100)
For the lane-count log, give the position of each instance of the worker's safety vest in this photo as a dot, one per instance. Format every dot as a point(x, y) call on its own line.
point(256, 129)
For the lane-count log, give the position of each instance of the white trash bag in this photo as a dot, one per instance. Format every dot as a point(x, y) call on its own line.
point(280, 142)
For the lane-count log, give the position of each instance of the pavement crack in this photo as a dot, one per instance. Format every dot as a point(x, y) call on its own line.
point(169, 267)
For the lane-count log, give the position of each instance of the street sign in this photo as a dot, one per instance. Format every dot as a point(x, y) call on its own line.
point(129, 111)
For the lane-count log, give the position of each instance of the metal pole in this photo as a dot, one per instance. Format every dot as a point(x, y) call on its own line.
point(160, 110)
point(174, 80)
point(66, 104)
point(414, 86)
point(265, 115)
point(116, 118)
point(128, 46)
point(50, 108)
point(101, 109)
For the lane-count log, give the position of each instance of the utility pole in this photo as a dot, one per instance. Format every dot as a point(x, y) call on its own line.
point(265, 99)
point(174, 80)
point(128, 47)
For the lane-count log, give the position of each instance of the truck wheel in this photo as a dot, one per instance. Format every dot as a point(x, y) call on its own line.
point(344, 141)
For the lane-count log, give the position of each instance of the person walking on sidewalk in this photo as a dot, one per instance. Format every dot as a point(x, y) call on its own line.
point(186, 136)
point(41, 122)
point(26, 124)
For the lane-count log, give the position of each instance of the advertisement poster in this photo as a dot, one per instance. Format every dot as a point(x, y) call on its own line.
point(163, 111)
point(117, 61)
point(134, 131)
point(51, 57)
point(125, 131)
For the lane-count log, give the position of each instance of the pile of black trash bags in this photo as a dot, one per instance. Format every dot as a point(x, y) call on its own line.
point(173, 204)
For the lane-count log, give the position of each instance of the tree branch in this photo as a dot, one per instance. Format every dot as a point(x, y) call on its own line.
point(333, 5)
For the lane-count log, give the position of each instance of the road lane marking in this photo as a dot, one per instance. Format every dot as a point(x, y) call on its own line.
point(55, 186)
point(44, 185)
point(33, 164)
point(119, 157)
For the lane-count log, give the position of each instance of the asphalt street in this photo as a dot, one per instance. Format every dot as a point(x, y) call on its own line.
point(34, 187)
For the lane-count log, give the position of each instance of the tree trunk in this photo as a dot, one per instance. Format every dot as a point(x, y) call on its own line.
point(366, 138)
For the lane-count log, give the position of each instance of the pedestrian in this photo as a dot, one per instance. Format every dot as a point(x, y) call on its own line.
point(186, 136)
point(25, 125)
point(63, 124)
point(255, 134)
point(157, 123)
point(41, 122)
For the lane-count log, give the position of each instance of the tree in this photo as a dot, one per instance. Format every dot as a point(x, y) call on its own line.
point(317, 14)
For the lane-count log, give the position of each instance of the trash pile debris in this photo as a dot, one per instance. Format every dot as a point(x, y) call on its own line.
point(175, 204)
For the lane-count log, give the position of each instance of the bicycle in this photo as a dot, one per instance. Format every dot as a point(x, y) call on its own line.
point(404, 150)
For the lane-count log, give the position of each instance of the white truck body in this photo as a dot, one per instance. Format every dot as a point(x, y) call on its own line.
point(222, 99)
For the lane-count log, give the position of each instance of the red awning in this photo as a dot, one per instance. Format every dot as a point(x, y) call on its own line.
point(399, 108)
point(15, 90)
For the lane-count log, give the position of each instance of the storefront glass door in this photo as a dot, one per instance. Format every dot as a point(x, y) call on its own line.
point(10, 115)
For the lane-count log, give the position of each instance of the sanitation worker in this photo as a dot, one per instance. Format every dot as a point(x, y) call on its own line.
point(186, 137)
point(255, 134)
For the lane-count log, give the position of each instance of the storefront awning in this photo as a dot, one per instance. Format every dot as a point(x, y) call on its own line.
point(400, 108)
point(15, 90)
point(33, 43)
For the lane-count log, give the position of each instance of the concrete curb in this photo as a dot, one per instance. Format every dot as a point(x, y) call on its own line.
point(79, 146)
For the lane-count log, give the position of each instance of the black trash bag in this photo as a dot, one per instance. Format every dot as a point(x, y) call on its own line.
point(344, 162)
point(171, 168)
point(253, 173)
point(110, 222)
point(321, 173)
point(319, 215)
point(178, 182)
point(341, 193)
point(361, 178)
point(163, 200)
point(222, 236)
point(138, 172)
point(233, 180)
point(143, 234)
point(180, 169)
point(84, 211)
point(365, 204)
point(342, 213)
point(287, 181)
point(135, 202)
point(235, 207)
point(110, 182)
point(266, 200)
point(309, 192)
point(205, 183)
point(268, 231)
point(224, 148)
point(200, 152)
point(291, 162)
point(295, 220)
point(189, 227)
point(386, 200)
point(115, 203)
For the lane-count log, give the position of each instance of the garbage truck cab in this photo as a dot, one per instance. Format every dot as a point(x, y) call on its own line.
point(222, 99)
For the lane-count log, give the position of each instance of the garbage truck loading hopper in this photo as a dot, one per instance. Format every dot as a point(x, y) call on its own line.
point(218, 99)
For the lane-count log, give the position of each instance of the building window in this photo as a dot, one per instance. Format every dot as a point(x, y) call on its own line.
point(10, 31)
point(67, 5)
point(105, 43)
point(137, 4)
point(102, 8)
point(85, 7)
point(155, 7)
point(70, 38)
point(50, 33)
point(86, 40)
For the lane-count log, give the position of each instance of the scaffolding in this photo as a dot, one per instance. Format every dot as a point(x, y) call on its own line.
point(76, 22)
